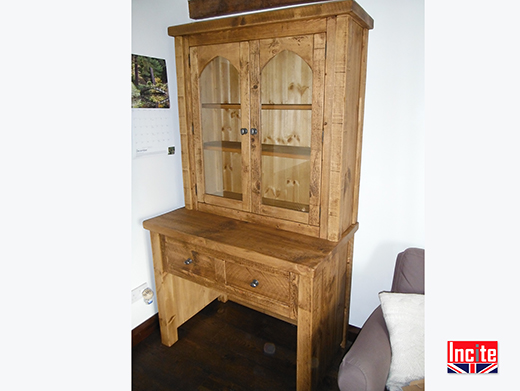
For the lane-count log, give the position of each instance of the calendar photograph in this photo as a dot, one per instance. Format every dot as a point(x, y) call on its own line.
point(149, 83)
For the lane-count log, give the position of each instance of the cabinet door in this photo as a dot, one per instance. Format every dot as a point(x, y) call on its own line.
point(287, 110)
point(221, 118)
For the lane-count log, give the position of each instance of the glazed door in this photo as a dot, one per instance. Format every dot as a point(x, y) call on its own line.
point(287, 76)
point(221, 124)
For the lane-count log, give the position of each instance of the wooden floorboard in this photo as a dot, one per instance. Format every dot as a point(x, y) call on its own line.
point(225, 347)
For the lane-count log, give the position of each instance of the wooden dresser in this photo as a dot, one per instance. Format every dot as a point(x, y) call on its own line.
point(271, 118)
point(199, 257)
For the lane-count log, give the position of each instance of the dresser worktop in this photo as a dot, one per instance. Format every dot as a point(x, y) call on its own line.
point(267, 244)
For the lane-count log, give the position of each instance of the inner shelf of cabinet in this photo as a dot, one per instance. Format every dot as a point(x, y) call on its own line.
point(288, 151)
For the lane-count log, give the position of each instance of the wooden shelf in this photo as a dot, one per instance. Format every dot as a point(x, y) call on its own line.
point(265, 106)
point(286, 204)
point(286, 151)
point(224, 146)
point(275, 106)
point(221, 106)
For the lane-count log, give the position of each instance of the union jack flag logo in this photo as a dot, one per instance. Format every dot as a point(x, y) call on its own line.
point(472, 368)
point(477, 357)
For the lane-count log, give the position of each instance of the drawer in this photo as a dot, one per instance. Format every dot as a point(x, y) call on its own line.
point(185, 259)
point(261, 282)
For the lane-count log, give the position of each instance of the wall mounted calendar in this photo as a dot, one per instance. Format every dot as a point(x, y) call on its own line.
point(152, 132)
point(152, 120)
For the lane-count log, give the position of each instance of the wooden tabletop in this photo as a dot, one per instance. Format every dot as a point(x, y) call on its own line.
point(244, 239)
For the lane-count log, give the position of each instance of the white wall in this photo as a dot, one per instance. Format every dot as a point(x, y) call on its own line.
point(156, 178)
point(391, 202)
point(391, 209)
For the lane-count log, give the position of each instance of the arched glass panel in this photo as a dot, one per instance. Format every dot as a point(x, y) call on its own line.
point(220, 116)
point(286, 98)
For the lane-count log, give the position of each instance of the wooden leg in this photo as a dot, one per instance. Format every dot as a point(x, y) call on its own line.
point(304, 353)
point(320, 315)
point(223, 298)
point(348, 283)
point(306, 349)
point(165, 295)
point(177, 299)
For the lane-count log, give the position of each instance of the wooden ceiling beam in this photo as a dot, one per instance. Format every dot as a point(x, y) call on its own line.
point(202, 9)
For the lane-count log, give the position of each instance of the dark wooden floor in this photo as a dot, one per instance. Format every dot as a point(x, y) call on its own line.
point(225, 347)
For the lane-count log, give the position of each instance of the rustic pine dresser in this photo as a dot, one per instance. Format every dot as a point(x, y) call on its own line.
point(271, 116)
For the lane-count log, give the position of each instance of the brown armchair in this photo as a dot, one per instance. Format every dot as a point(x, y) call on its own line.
point(366, 365)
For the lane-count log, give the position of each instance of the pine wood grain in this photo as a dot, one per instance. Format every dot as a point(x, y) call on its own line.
point(297, 278)
point(301, 13)
point(201, 9)
point(270, 109)
point(299, 82)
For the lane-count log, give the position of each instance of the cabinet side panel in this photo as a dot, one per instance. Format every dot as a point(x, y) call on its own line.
point(317, 127)
point(184, 122)
point(361, 114)
point(190, 298)
point(198, 165)
point(327, 125)
point(337, 121)
point(352, 125)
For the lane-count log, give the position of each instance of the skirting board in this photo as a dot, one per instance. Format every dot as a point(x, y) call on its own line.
point(144, 330)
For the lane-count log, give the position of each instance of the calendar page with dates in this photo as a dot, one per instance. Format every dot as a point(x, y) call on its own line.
point(152, 132)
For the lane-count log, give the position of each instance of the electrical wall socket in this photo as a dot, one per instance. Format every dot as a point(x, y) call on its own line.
point(137, 293)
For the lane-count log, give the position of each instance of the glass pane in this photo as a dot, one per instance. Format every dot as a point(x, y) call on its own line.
point(286, 132)
point(286, 182)
point(287, 127)
point(220, 115)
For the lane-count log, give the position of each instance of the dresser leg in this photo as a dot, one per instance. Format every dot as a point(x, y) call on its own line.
point(306, 352)
point(168, 317)
point(348, 284)
point(223, 298)
point(165, 294)
point(304, 357)
point(177, 299)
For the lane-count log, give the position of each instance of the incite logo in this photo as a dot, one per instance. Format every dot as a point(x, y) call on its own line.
point(472, 357)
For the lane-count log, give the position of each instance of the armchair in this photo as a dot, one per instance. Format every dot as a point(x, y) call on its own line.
point(366, 365)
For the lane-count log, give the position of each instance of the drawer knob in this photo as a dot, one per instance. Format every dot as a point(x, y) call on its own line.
point(188, 261)
point(254, 283)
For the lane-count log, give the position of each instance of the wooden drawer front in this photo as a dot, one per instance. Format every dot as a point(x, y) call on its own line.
point(180, 257)
point(261, 282)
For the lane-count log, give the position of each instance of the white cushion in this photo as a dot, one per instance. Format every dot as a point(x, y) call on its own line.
point(404, 317)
